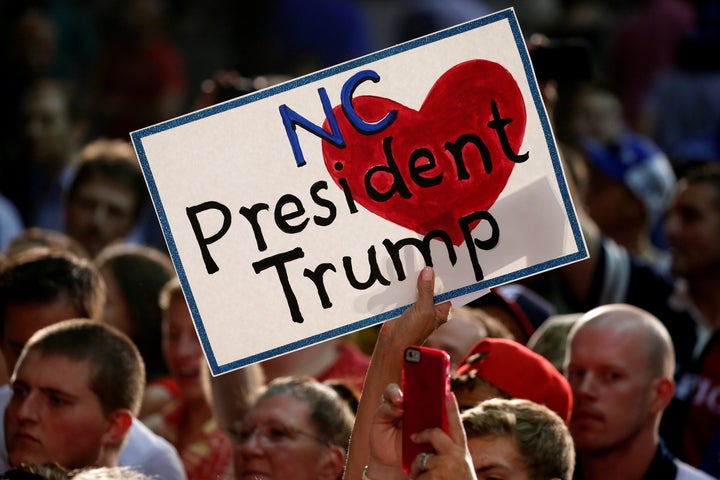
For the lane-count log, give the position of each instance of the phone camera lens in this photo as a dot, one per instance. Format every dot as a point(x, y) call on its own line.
point(412, 355)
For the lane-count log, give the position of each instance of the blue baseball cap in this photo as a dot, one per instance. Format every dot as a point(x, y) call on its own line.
point(639, 164)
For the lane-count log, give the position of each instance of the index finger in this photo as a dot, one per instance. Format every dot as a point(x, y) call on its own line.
point(455, 426)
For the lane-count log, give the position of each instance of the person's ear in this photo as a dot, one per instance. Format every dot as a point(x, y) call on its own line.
point(664, 390)
point(332, 463)
point(118, 426)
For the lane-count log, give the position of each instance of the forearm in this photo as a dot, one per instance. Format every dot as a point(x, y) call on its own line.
point(385, 368)
point(411, 328)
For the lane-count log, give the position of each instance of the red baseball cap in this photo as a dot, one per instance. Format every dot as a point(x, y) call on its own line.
point(521, 373)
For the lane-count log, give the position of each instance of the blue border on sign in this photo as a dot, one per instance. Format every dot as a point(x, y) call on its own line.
point(137, 136)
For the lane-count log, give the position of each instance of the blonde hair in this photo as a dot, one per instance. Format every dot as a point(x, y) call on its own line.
point(540, 435)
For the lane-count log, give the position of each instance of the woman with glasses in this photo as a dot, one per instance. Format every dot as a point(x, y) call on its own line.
point(297, 428)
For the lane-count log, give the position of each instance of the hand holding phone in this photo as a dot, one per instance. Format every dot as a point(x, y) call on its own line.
point(425, 384)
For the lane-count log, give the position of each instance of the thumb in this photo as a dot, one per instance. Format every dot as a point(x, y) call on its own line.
point(426, 288)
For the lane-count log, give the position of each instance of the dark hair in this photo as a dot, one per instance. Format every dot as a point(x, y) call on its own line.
point(562, 59)
point(347, 392)
point(114, 160)
point(704, 173)
point(140, 273)
point(117, 371)
point(40, 275)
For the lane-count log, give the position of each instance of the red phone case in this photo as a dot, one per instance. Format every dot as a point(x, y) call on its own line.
point(425, 384)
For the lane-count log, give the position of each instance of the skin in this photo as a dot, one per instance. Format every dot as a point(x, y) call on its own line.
point(100, 212)
point(497, 458)
point(184, 358)
point(616, 211)
point(611, 390)
point(53, 416)
point(182, 351)
point(457, 337)
point(453, 457)
point(115, 313)
point(692, 228)
point(49, 132)
point(411, 328)
point(618, 402)
point(22, 320)
point(600, 116)
point(37, 42)
point(298, 456)
point(451, 460)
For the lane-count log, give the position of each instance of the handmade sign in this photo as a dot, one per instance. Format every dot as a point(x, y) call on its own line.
point(305, 211)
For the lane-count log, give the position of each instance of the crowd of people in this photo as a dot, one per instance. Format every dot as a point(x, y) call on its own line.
point(605, 368)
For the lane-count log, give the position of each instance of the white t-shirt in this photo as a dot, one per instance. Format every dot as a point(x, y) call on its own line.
point(686, 472)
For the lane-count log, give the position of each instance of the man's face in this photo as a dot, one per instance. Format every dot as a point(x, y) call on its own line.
point(692, 227)
point(23, 319)
point(497, 457)
point(101, 212)
point(280, 442)
point(457, 337)
point(53, 416)
point(611, 204)
point(48, 128)
point(599, 115)
point(608, 374)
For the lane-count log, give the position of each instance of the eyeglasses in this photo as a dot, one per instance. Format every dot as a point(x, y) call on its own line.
point(271, 434)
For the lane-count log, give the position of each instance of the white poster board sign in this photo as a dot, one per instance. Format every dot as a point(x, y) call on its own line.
point(305, 211)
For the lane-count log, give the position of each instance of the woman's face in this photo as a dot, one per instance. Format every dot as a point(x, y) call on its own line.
point(277, 441)
point(182, 350)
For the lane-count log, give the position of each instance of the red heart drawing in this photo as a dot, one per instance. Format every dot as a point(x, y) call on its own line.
point(433, 194)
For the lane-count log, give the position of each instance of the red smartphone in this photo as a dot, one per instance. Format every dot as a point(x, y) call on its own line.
point(425, 384)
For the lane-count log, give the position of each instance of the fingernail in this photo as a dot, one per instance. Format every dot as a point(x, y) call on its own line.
point(427, 273)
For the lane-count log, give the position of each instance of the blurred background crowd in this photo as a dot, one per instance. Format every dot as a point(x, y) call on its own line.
point(76, 71)
point(632, 89)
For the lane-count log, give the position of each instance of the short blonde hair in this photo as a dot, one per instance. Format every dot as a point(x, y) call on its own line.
point(540, 435)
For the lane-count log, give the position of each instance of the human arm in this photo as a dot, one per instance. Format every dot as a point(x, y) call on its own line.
point(411, 328)
point(452, 460)
point(385, 460)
